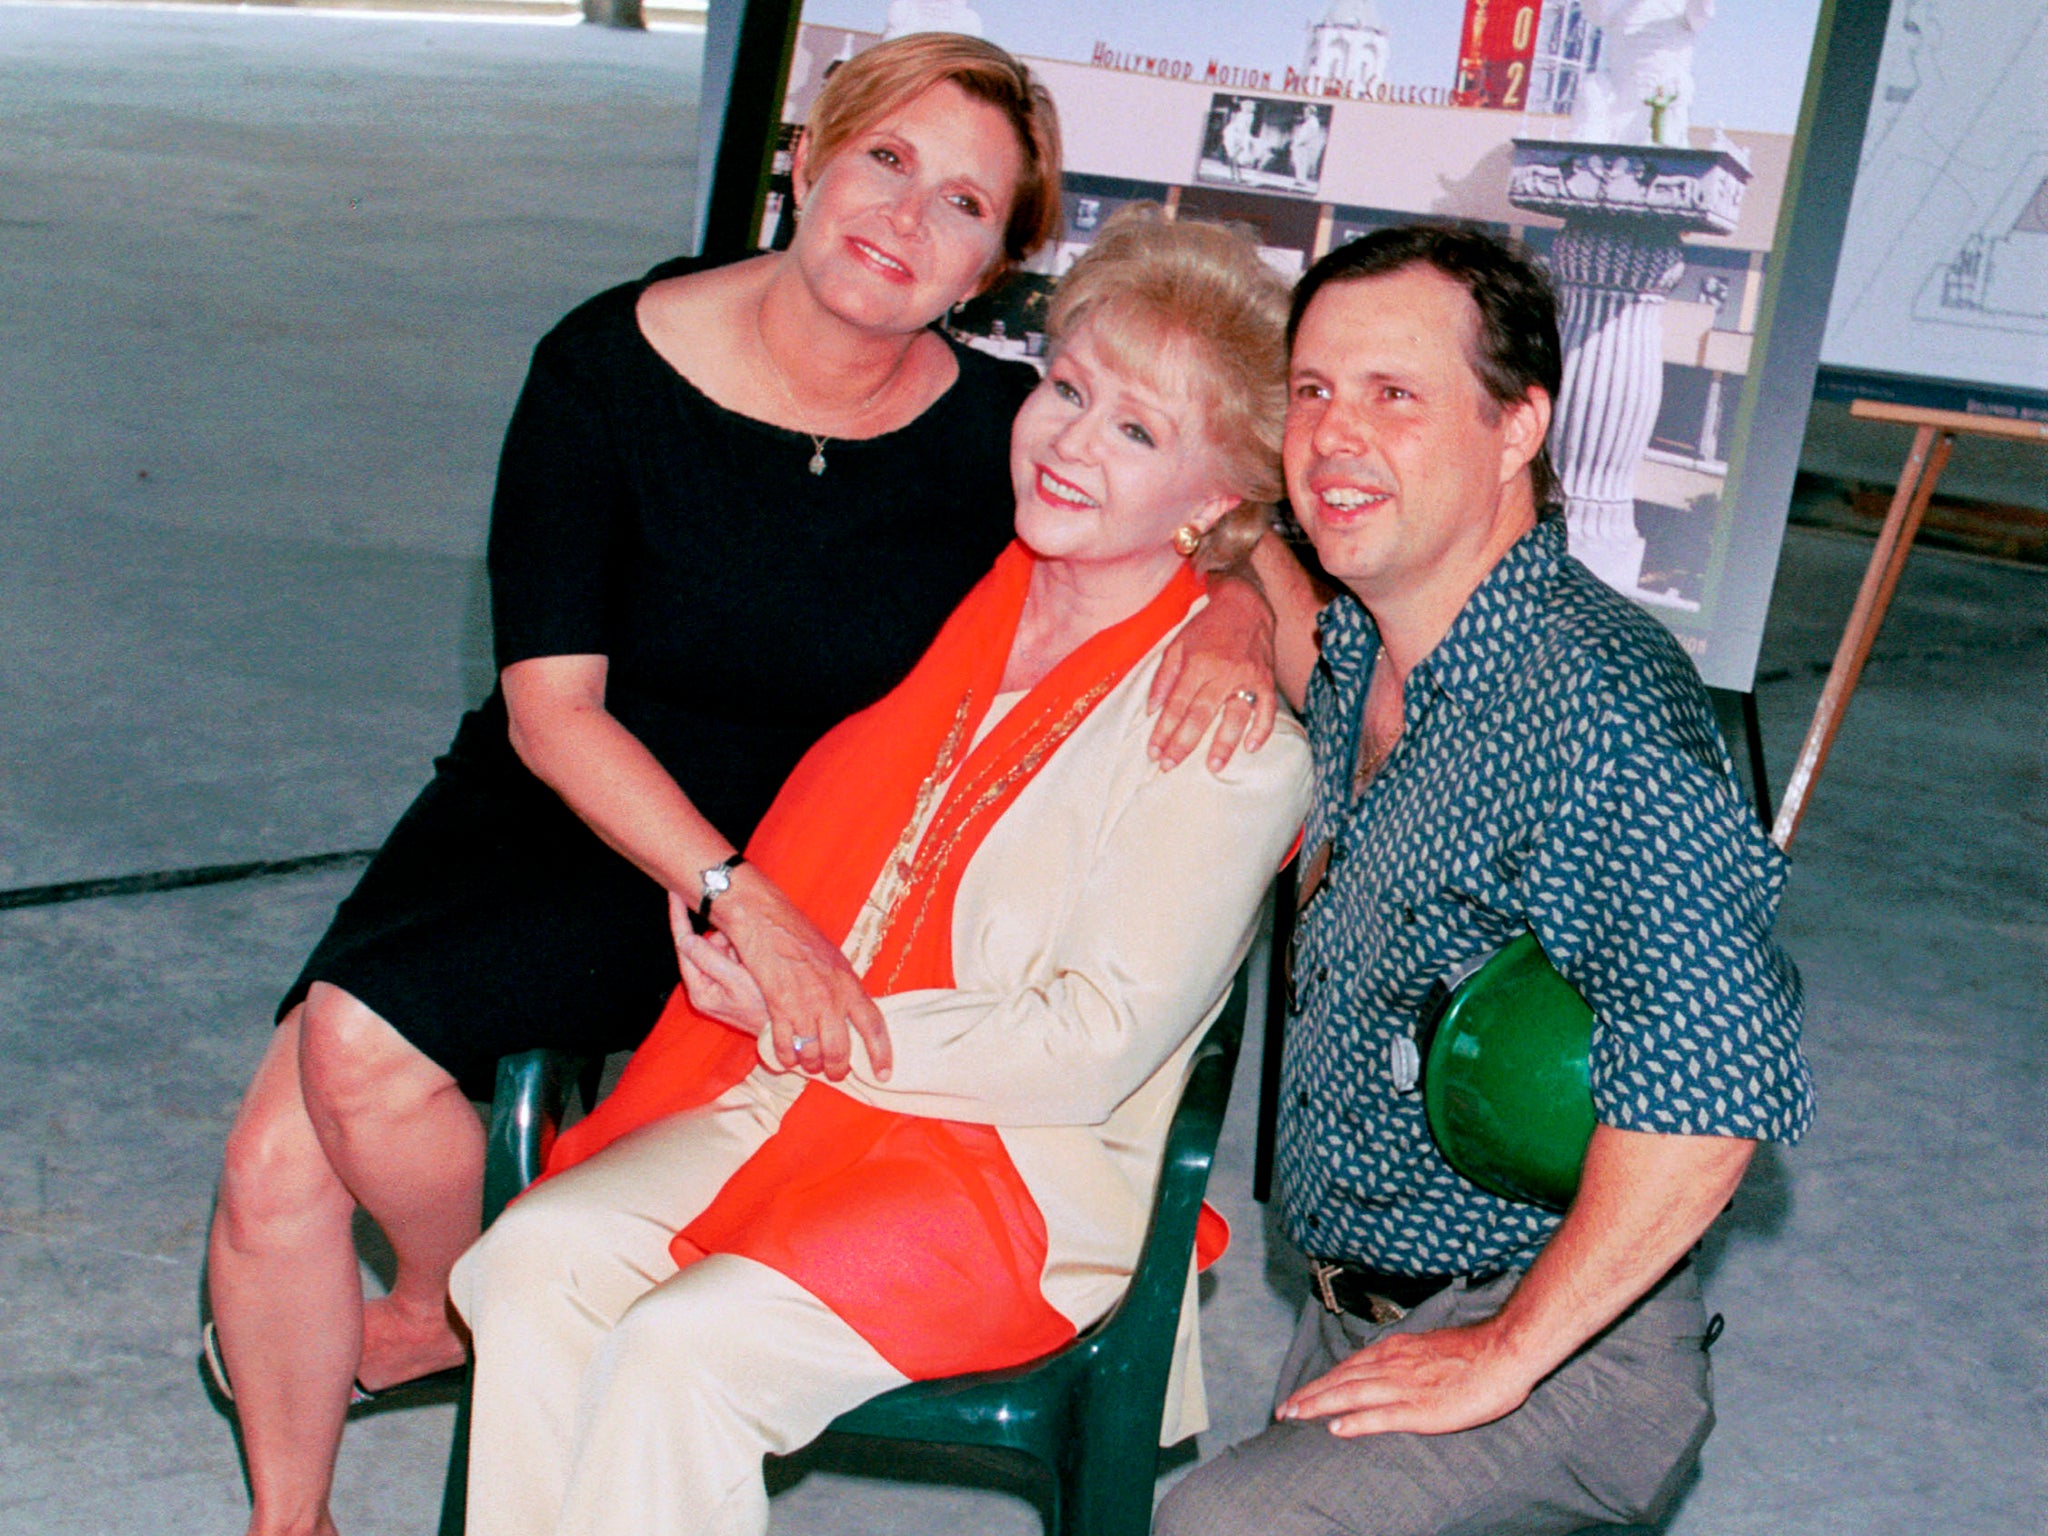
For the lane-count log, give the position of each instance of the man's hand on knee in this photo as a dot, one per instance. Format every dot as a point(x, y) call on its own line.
point(1425, 1383)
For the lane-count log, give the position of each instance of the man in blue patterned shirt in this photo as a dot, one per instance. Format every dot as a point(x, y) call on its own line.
point(1502, 745)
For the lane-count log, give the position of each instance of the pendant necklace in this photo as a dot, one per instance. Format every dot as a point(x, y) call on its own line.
point(818, 440)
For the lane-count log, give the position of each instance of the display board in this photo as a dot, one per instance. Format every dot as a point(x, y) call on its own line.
point(1648, 151)
point(1941, 298)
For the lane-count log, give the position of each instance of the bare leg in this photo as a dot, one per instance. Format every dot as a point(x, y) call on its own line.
point(287, 1301)
point(341, 1111)
point(406, 1144)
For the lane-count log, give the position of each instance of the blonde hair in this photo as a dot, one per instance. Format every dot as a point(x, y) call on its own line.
point(1191, 305)
point(878, 80)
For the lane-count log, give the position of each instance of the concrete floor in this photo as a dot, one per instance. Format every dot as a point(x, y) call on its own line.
point(269, 284)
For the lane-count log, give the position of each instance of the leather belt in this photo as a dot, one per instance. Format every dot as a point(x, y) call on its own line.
point(1374, 1294)
point(1383, 1298)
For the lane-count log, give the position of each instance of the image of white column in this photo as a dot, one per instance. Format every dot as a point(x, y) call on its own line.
point(1612, 281)
point(1625, 209)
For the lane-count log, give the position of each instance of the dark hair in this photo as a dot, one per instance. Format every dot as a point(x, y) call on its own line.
point(1516, 346)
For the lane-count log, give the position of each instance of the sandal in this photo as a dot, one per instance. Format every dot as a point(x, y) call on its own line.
point(359, 1396)
point(432, 1387)
point(211, 1362)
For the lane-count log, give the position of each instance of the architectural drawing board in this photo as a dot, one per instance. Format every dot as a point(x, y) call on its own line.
point(1941, 298)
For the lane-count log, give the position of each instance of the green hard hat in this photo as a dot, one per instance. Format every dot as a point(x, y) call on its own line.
point(1506, 1043)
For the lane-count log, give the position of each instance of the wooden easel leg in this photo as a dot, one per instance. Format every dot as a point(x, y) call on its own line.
point(1924, 465)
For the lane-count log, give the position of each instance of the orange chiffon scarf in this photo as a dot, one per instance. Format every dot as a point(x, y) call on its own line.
point(919, 1233)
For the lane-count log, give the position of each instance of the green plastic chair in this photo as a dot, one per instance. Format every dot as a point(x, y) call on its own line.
point(1091, 1411)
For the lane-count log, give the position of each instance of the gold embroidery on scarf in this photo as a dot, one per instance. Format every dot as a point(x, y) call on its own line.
point(921, 871)
point(949, 750)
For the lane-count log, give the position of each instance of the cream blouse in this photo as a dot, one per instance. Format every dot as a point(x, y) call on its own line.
point(1095, 934)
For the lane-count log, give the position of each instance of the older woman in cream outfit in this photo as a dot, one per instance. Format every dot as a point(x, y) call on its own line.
point(729, 1254)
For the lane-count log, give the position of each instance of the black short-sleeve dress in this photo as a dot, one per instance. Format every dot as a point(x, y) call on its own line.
point(745, 606)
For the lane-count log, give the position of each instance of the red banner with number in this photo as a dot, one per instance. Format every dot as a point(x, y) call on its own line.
point(1494, 53)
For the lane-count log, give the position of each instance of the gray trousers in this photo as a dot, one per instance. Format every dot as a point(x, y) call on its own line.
point(1607, 1439)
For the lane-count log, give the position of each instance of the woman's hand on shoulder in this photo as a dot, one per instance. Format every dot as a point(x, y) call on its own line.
point(1221, 661)
point(814, 1004)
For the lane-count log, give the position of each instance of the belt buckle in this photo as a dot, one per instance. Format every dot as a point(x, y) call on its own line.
point(1382, 1311)
point(1323, 1274)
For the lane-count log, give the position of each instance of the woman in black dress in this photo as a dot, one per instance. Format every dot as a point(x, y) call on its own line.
point(734, 506)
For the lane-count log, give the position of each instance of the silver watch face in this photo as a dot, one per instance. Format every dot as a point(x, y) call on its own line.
point(717, 881)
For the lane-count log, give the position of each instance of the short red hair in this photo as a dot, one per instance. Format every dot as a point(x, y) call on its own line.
point(877, 81)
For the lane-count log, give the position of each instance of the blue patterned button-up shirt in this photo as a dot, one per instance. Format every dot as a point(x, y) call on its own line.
point(1559, 769)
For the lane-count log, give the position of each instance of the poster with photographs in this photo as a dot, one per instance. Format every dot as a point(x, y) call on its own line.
point(1274, 146)
point(1640, 148)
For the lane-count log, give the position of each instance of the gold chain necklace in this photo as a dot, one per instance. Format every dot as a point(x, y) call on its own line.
point(921, 876)
point(818, 440)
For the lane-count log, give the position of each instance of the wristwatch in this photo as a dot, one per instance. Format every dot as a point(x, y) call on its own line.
point(717, 880)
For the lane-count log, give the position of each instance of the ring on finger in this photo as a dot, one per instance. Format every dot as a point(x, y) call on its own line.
point(1249, 695)
point(802, 1042)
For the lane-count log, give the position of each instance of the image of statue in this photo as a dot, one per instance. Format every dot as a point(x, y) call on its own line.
point(1349, 46)
point(1305, 144)
point(1247, 143)
point(906, 16)
point(1642, 91)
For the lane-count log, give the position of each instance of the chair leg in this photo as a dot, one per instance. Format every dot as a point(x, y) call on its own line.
point(455, 1488)
point(1101, 1494)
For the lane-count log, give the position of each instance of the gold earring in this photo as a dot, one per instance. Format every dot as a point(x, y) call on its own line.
point(1187, 538)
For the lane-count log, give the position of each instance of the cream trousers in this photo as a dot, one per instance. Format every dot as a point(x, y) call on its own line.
point(617, 1394)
